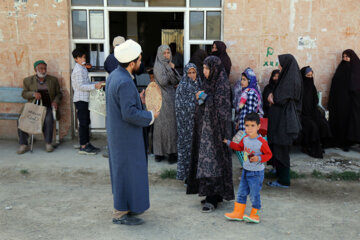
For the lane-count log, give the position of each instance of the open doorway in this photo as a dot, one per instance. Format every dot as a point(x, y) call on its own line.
point(150, 30)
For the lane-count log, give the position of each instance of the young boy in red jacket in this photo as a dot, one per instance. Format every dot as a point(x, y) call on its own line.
point(256, 153)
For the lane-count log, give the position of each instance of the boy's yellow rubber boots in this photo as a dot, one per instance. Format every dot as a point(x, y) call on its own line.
point(238, 213)
point(254, 216)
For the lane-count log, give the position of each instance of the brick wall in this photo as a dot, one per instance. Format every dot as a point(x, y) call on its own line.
point(32, 30)
point(253, 29)
point(256, 31)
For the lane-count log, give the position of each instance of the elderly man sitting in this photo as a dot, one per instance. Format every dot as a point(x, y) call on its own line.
point(47, 88)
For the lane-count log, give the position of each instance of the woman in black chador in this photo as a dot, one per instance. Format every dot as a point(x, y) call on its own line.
point(344, 101)
point(284, 117)
point(269, 89)
point(315, 128)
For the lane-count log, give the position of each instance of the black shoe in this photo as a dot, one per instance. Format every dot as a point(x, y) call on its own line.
point(128, 220)
point(87, 150)
point(172, 158)
point(208, 207)
point(345, 149)
point(95, 148)
point(159, 158)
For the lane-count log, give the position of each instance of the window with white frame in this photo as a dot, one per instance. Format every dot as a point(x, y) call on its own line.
point(90, 20)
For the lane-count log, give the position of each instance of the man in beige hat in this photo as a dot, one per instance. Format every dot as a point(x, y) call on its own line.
point(111, 63)
point(126, 122)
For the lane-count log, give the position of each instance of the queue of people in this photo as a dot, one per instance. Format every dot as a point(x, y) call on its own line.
point(290, 103)
point(194, 127)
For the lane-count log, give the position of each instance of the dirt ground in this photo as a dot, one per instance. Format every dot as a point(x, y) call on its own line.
point(68, 196)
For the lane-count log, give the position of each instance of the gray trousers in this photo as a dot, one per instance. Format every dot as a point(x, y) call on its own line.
point(48, 129)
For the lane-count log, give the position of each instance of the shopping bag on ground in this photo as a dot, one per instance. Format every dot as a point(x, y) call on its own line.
point(32, 118)
point(97, 101)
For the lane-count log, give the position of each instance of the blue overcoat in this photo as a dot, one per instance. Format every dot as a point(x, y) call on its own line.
point(127, 149)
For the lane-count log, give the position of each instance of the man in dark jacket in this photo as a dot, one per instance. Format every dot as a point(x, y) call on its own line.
point(47, 88)
point(111, 63)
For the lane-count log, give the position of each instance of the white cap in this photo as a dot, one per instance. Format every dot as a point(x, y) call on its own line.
point(118, 40)
point(127, 51)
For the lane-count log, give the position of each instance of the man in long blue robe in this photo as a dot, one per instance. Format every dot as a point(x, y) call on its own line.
point(125, 121)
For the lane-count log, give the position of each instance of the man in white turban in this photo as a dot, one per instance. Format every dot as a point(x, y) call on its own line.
point(125, 122)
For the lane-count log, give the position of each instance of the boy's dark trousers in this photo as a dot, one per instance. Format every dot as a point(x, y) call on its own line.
point(83, 115)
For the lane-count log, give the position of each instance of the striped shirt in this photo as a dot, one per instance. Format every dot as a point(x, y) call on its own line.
point(81, 83)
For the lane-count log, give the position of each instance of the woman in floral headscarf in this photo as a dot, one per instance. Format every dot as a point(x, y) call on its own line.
point(210, 172)
point(165, 135)
point(250, 99)
point(185, 103)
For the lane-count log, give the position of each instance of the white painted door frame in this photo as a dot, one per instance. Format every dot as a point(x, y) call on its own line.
point(186, 10)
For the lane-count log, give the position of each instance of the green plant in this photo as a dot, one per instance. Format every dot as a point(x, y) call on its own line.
point(346, 176)
point(168, 173)
point(24, 171)
point(295, 175)
point(317, 174)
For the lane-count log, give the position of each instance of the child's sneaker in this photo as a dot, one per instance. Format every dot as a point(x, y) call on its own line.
point(238, 213)
point(87, 150)
point(95, 148)
point(254, 216)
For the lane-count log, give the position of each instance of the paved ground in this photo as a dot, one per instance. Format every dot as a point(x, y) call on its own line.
point(68, 196)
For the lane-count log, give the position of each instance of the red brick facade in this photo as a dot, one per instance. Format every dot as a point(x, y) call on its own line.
point(256, 31)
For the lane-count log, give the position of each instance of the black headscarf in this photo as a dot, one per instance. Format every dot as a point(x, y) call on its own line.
point(198, 59)
point(310, 98)
point(222, 54)
point(284, 116)
point(355, 69)
point(216, 73)
point(289, 85)
point(269, 89)
point(271, 80)
point(341, 100)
